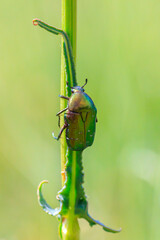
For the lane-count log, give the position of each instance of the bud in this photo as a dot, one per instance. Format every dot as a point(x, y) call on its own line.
point(70, 228)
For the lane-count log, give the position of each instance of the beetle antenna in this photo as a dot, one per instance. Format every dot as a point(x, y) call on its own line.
point(68, 85)
point(85, 83)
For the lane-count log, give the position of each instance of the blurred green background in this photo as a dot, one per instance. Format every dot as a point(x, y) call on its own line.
point(118, 50)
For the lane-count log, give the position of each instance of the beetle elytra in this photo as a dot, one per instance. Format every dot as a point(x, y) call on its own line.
point(80, 119)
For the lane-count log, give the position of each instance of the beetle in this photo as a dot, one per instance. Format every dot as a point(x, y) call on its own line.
point(80, 119)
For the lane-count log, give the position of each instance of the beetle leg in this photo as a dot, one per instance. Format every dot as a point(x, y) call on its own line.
point(96, 119)
point(61, 131)
point(61, 111)
point(59, 114)
point(59, 121)
point(61, 96)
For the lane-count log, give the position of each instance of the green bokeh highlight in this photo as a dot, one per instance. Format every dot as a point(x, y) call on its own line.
point(118, 51)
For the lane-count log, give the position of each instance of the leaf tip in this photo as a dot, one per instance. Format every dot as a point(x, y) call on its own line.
point(35, 21)
point(40, 186)
point(107, 229)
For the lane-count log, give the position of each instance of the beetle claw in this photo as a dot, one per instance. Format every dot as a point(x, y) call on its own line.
point(56, 138)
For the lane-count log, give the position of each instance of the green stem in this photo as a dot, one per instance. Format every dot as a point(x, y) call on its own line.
point(69, 22)
point(70, 229)
point(70, 226)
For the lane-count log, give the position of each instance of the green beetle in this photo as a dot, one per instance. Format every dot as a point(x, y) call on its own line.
point(80, 119)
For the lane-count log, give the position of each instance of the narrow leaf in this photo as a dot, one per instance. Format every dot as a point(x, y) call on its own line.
point(94, 222)
point(43, 202)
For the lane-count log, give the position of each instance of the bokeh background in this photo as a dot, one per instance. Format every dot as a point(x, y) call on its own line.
point(118, 50)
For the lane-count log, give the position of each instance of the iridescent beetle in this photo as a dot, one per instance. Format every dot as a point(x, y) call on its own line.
point(80, 119)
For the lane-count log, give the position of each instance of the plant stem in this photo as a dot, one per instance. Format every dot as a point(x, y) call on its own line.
point(70, 226)
point(69, 22)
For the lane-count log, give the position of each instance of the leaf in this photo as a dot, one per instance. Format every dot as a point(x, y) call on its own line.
point(43, 202)
point(94, 222)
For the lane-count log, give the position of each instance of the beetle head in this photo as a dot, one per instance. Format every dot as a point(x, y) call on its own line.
point(78, 88)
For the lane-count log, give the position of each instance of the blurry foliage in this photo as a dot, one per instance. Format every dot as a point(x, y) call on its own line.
point(119, 53)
